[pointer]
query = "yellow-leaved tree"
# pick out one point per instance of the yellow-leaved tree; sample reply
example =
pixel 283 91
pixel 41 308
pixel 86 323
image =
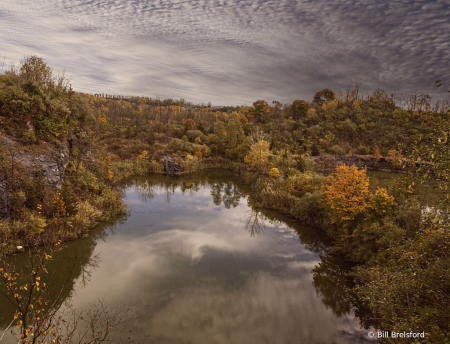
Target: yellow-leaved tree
pixel 345 194
pixel 143 156
pixel 274 173
pixel 258 155
pixel 379 204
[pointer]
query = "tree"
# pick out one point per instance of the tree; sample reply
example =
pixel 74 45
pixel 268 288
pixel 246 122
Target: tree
pixel 70 201
pixel 275 109
pixel 274 173
pixel 37 317
pixel 36 192
pixel 379 204
pixel 260 111
pixel 299 108
pixel 258 155
pixel 433 158
pixel 201 127
pixel 108 168
pixel 324 96
pixel 355 89
pixel 314 150
pixel 235 132
pixel 143 156
pixel 189 125
pixel 257 134
pixel 34 69
pixel 58 205
pixel 81 145
pixel 13 156
pixel 205 151
pixel 345 194
pixel 221 133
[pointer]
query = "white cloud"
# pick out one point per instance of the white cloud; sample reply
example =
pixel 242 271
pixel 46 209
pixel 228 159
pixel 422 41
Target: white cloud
pixel 232 51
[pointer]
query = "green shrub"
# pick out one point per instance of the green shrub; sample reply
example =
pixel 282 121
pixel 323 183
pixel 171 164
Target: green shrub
pixel 337 150
pixel 363 150
pixel 29 137
pixel 314 150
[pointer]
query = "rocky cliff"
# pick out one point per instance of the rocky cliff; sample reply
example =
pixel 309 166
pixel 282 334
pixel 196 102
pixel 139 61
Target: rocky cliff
pixel 170 166
pixel 52 164
pixel 51 161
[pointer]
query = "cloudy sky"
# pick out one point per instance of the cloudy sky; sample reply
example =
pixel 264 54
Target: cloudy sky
pixel 233 52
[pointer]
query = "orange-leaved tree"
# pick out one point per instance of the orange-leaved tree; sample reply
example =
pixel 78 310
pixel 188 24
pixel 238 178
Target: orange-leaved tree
pixel 189 124
pixel 58 204
pixel 345 194
pixel 205 151
pixel 108 168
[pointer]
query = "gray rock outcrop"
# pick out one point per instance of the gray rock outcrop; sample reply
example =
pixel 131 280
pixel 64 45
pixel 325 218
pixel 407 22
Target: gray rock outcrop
pixel 52 167
pixel 170 166
pixel 52 164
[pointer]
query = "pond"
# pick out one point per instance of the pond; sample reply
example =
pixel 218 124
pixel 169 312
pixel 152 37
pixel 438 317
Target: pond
pixel 200 264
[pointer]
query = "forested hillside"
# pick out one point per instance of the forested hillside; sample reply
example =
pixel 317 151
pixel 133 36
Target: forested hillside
pixel 398 242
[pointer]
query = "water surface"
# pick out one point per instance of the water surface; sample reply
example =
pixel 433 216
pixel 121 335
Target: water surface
pixel 201 265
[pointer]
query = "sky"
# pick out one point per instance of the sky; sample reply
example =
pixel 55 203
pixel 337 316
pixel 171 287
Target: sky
pixel 233 52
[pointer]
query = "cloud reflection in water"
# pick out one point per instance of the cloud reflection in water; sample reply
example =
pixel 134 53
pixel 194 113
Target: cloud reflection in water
pixel 197 276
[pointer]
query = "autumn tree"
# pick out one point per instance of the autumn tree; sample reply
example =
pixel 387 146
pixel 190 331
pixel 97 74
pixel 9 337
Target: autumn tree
pixel 275 109
pixel 379 204
pixel 198 151
pixel 34 69
pixel 38 317
pixel 189 124
pixel 205 151
pixel 260 111
pixel 108 168
pixel 345 194
pixel 355 89
pixel 434 160
pixel 258 155
pixel 58 205
pixel 70 201
pixel 201 127
pixel 257 134
pixel 274 173
pixel 382 99
pixel 235 132
pixel 324 96
pixel 299 108
pixel 221 133
pixel 81 145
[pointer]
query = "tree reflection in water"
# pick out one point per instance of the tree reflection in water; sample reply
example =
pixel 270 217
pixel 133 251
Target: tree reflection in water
pixel 75 262
pixel 254 223
pixel 330 276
